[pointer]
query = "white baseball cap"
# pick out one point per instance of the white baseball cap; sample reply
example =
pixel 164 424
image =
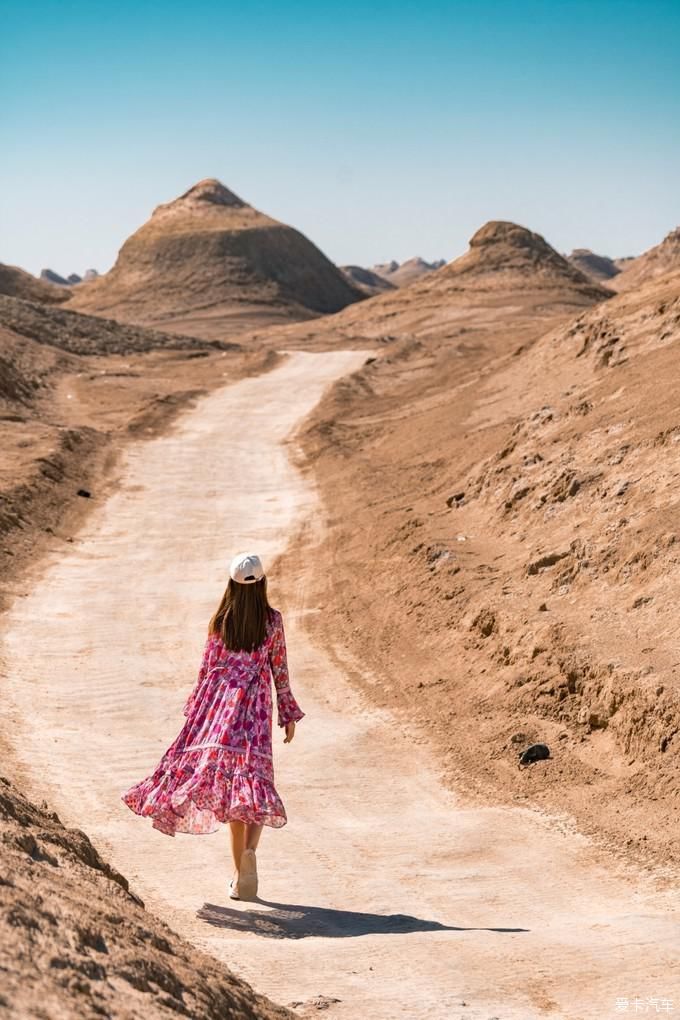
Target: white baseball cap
pixel 246 568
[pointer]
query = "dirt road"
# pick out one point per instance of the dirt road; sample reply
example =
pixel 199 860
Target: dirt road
pixel 385 893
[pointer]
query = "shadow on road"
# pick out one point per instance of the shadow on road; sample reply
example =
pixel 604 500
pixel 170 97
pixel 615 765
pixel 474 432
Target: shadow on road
pixel 297 921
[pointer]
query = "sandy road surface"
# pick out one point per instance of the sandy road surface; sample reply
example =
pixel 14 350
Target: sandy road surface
pixel 384 891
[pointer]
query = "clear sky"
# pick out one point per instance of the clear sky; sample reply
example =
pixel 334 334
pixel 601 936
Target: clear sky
pixel 380 130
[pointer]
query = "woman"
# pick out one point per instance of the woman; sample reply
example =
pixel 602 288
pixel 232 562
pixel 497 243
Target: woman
pixel 220 768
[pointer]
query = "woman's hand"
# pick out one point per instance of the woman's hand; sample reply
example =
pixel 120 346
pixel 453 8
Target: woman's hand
pixel 290 732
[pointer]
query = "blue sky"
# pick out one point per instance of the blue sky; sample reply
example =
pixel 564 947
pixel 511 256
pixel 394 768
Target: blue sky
pixel 380 131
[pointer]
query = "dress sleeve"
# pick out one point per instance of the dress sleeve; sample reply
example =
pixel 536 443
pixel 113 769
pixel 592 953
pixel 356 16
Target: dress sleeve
pixel 288 708
pixel 202 673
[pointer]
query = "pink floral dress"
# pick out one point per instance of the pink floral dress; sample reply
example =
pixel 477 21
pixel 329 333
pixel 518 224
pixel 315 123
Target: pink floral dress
pixel 220 765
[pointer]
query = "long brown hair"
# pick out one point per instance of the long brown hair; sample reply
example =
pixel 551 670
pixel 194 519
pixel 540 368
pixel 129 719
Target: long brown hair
pixel 241 617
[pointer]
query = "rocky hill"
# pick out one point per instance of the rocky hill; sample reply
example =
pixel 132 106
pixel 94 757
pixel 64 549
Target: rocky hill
pixel 18 283
pixel 90 334
pixel 596 267
pixel 505 249
pixel 366 280
pixel 664 258
pixel 208 263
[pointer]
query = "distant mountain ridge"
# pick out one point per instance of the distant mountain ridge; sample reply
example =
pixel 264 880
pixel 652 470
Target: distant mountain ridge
pixel 401 274
pixel 71 280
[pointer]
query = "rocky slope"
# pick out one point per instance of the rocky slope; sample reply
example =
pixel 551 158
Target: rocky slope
pixel 501 509
pixel 664 258
pixel 77 942
pixel 18 283
pixel 209 264
pixel 90 334
pixel 624 262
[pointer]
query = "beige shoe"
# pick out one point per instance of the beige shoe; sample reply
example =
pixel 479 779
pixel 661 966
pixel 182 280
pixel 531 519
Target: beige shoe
pixel 233 890
pixel 247 876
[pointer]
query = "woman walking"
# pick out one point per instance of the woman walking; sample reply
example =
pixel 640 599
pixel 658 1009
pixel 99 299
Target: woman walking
pixel 219 768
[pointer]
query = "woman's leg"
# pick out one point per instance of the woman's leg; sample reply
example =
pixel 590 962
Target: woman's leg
pixel 253 833
pixel 238 841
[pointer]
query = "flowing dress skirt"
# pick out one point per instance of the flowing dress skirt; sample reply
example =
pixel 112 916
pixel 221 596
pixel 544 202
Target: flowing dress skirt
pixel 220 766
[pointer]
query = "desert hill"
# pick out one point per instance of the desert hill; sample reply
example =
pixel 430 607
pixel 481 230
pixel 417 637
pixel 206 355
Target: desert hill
pixel 652 265
pixel 366 280
pixel 501 247
pixel 18 283
pixel 596 267
pixel 208 262
pixel 511 285
pixel 90 334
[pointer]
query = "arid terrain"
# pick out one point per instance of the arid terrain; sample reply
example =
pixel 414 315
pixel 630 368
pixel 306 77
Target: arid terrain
pixel 489 486
pixel 210 264
pixel 16 282
pixel 510 500
pixel 75 941
pixel 652 266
